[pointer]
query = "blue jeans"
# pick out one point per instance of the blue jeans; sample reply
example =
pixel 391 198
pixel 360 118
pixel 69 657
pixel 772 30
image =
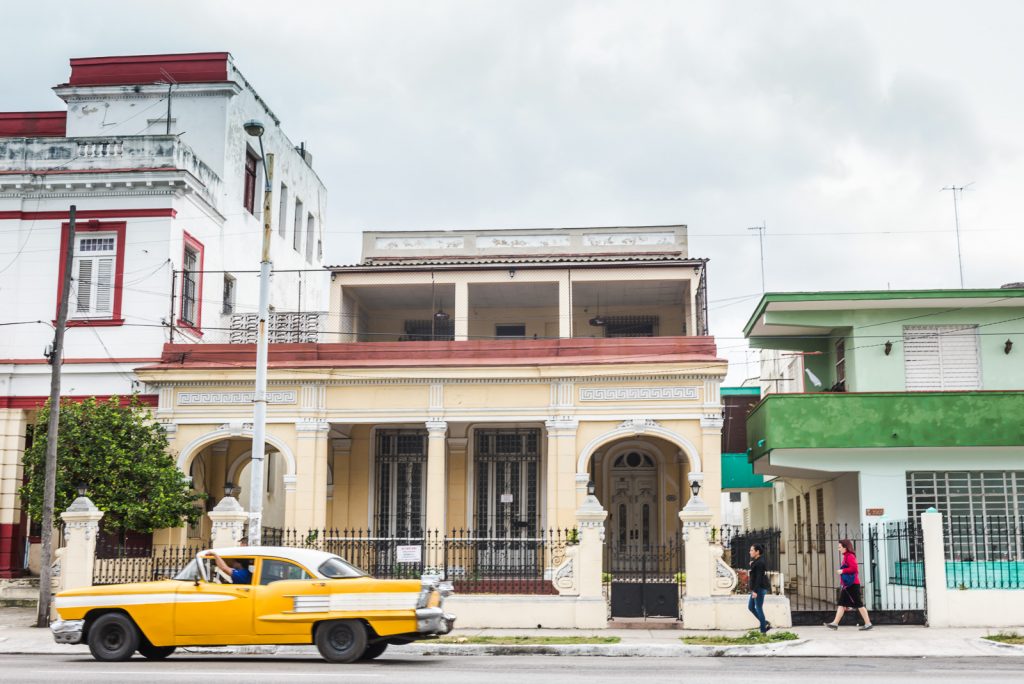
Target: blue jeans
pixel 756 606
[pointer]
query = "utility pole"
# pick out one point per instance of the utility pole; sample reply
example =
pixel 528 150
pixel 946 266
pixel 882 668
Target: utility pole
pixel 956 217
pixel 259 417
pixel 760 237
pixel 50 468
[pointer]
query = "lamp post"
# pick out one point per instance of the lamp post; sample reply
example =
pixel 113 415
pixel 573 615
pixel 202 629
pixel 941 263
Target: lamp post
pixel 259 412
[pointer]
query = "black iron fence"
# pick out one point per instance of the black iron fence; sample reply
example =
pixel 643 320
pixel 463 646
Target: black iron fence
pixel 126 564
pixel 983 552
pixel 888 556
pixel 739 544
pixel 645 580
pixel 475 563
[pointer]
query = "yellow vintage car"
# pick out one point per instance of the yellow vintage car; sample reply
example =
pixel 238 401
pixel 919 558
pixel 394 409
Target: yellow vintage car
pixel 292 596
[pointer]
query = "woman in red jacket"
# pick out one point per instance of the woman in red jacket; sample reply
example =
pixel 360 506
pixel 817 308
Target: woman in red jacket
pixel 849 587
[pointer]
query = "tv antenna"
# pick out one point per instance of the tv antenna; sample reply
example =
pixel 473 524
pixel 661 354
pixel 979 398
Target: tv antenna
pixel 956 218
pixel 760 237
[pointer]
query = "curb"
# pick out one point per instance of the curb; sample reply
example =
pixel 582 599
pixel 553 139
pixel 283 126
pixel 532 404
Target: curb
pixel 608 650
pixel 1003 648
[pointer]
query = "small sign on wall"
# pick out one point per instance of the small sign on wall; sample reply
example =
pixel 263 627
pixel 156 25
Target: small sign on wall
pixel 506 498
pixel 874 511
pixel 409 554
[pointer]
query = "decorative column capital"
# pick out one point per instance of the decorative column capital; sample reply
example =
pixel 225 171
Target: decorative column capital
pixel 289 482
pixel 437 428
pixel 312 428
pixel 562 426
pixel 712 421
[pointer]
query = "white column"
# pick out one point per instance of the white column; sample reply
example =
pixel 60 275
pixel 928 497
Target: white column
pixel 461 310
pixel 228 520
pixel 81 524
pixel 935 568
pixel 564 307
pixel 437 431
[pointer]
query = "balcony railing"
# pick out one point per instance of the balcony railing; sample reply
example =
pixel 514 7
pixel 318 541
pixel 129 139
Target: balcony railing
pixel 885 419
pixel 281 327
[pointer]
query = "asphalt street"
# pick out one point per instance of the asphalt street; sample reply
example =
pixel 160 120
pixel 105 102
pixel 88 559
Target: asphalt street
pixel 397 667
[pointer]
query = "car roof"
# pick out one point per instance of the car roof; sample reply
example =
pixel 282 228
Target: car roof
pixel 310 558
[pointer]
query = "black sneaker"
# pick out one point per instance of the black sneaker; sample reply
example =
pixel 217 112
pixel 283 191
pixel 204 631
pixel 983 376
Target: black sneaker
pixel 831 625
pixel 866 627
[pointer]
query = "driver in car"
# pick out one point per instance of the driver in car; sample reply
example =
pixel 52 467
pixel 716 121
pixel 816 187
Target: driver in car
pixel 238 572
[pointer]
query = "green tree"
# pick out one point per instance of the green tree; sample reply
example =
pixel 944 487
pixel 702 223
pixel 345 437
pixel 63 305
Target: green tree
pixel 121 455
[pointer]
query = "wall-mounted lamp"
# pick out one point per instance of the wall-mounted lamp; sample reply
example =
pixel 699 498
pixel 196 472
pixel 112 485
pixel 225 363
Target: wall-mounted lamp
pixel 1007 346
pixel 591 488
pixel 441 315
pixel 695 488
pixel 511 273
pixel 888 347
pixel 82 488
pixel 228 488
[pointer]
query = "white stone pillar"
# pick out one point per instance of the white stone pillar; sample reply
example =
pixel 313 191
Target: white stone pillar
pixel 437 431
pixel 81 525
pixel 935 568
pixel 564 307
pixel 590 605
pixel 461 311
pixel 228 520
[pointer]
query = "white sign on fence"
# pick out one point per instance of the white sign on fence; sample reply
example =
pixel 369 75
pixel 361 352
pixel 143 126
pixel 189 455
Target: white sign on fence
pixel 506 498
pixel 409 554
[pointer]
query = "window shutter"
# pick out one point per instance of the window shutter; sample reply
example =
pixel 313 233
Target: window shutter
pixel 83 295
pixel 105 285
pixel 941 357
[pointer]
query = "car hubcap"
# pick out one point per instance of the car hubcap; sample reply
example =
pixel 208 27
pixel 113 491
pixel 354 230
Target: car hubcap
pixel 341 637
pixel 112 638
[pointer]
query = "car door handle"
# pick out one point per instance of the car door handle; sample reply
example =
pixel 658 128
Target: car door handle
pixel 246 589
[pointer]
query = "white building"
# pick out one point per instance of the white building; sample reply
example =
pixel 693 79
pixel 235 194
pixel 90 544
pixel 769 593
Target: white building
pixel 168 189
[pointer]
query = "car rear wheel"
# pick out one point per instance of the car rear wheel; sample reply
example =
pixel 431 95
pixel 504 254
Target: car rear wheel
pixel 374 650
pixel 343 641
pixel 113 637
pixel 148 650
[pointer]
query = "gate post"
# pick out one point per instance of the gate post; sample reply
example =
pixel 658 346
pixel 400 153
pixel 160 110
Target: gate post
pixel 934 569
pixel 228 518
pixel 590 604
pixel 81 525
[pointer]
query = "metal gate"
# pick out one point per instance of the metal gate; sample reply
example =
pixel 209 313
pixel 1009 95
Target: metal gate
pixel 644 580
pixel 889 555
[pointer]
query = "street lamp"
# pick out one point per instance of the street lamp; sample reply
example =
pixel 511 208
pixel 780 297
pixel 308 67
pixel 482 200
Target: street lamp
pixel 259 412
pixel 695 488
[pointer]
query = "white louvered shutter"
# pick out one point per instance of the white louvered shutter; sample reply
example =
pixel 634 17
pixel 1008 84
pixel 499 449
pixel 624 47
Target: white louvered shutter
pixel 83 286
pixel 941 357
pixel 92 290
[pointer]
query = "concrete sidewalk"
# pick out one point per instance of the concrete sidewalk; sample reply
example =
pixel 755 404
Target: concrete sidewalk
pixel 18 637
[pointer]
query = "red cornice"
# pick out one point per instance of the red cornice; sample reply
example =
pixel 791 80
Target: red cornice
pixel 133 169
pixel 198 67
pixel 36 402
pixel 574 351
pixel 131 359
pixel 33 124
pixel 88 214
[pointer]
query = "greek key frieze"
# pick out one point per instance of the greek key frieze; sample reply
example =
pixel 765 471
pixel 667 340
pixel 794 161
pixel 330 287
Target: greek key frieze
pixel 637 393
pixel 223 398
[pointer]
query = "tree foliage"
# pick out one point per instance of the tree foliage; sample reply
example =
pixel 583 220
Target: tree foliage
pixel 121 455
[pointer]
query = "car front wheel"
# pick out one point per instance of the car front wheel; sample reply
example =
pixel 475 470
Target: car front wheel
pixel 113 637
pixel 343 641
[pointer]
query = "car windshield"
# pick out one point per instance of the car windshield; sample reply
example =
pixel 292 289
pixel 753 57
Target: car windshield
pixel 189 573
pixel 336 568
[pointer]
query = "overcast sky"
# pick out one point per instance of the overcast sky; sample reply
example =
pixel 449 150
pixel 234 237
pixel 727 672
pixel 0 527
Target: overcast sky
pixel 836 125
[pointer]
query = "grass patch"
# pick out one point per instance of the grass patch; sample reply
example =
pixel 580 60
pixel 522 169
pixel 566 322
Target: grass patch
pixel 1007 638
pixel 750 638
pixel 529 640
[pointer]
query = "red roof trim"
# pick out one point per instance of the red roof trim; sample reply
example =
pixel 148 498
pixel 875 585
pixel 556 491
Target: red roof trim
pixel 446 354
pixel 33 124
pixel 36 402
pixel 198 67
pixel 156 212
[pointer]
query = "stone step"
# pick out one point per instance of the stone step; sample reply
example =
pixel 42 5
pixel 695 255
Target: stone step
pixel 644 623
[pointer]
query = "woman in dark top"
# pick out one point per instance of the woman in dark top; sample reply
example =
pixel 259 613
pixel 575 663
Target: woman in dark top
pixel 849 587
pixel 759 586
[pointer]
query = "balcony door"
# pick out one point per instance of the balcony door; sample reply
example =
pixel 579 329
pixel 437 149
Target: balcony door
pixel 506 469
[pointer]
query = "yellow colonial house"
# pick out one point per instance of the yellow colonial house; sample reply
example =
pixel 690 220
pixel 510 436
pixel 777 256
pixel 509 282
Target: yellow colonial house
pixel 474 380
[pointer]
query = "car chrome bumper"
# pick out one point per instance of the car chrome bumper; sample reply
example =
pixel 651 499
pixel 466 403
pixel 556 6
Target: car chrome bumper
pixel 434 621
pixel 67 631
